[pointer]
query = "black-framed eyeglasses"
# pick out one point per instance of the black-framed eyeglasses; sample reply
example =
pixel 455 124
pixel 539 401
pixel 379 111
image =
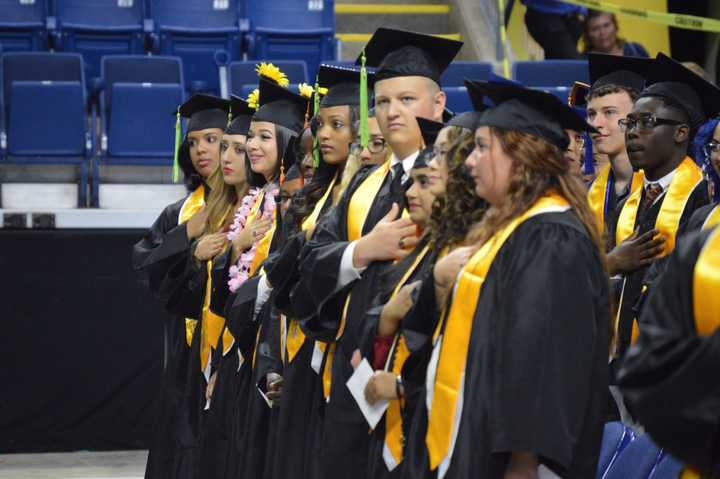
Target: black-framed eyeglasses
pixel 645 122
pixel 712 147
pixel 375 146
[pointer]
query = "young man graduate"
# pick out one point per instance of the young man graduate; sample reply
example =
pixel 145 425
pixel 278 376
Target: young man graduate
pixel 364 234
pixel 658 131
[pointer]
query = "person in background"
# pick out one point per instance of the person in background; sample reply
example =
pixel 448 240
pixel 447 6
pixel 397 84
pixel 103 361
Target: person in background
pixel 575 151
pixel 556 26
pixel 377 150
pixel 305 146
pixel 600 35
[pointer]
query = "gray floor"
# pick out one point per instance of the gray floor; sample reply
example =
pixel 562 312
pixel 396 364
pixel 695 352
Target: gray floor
pixel 74 465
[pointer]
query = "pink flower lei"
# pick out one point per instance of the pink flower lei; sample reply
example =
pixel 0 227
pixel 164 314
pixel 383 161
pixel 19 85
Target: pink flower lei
pixel 240 272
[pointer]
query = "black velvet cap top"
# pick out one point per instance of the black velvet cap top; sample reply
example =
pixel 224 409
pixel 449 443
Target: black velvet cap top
pixel 241 114
pixel 343 85
pixel 682 88
pixel 529 111
pixel 281 106
pixel 429 130
pixel 622 71
pixel 205 111
pixel 400 53
pixel 467 120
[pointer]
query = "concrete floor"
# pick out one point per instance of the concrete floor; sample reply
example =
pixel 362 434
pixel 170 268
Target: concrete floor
pixel 74 465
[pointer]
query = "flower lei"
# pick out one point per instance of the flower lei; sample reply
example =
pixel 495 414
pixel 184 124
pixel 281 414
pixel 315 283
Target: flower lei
pixel 240 272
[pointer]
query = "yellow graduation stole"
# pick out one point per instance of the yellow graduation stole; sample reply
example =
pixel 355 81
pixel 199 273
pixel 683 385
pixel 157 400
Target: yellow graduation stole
pixel 295 337
pixel 598 194
pixel 706 285
pixel 713 218
pixel 398 354
pixel 687 177
pixel 191 205
pixel 459 321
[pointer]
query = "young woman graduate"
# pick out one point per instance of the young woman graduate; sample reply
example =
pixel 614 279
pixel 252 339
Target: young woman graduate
pixel 298 426
pixel 230 191
pixel 510 383
pixel 669 377
pixel 706 148
pixel 363 233
pixel 166 246
pixel 658 132
pixel 256 328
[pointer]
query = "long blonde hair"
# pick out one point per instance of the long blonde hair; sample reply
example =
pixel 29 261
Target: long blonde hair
pixel 221 201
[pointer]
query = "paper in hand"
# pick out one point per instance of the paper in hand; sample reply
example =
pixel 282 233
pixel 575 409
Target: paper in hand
pixel 356 384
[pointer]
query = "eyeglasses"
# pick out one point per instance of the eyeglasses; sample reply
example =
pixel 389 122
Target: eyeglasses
pixel 712 148
pixel 579 141
pixel 374 146
pixel 645 122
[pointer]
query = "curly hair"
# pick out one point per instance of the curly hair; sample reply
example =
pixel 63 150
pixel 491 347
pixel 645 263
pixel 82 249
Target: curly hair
pixel 537 167
pixel 701 157
pixel 454 214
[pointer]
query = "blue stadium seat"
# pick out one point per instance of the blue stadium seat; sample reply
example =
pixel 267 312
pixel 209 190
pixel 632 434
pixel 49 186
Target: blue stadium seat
pixel 99 27
pixel 615 438
pixel 550 72
pixel 23 25
pixel 636 461
pixel 243 73
pixel 292 30
pixel 561 92
pixel 43 118
pixel 205 34
pixel 136 104
pixel 667 468
pixel 460 70
pixel 458 100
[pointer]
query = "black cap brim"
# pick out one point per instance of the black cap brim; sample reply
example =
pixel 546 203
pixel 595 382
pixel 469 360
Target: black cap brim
pixel 205 111
pixel 622 71
pixel 281 106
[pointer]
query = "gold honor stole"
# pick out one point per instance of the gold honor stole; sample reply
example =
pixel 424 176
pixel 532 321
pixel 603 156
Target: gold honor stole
pixel 295 336
pixel 599 192
pixel 191 205
pixel 398 354
pixel 706 302
pixel 713 218
pixel 686 178
pixel 453 358
pixel 358 209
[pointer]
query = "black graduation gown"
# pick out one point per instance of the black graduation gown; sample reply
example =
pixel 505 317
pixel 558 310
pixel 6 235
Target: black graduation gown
pixel 388 281
pixel 669 377
pixel 162 257
pixel 319 307
pixel 630 305
pixel 536 369
pixel 698 218
pixel 612 210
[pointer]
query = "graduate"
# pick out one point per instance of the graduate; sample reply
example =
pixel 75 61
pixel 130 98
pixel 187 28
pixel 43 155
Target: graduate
pixel 376 152
pixel 706 147
pixel 230 190
pixel 299 424
pixel 616 83
pixel 364 232
pixel 272 133
pixel 166 246
pixel 667 376
pixel 658 132
pixel 511 387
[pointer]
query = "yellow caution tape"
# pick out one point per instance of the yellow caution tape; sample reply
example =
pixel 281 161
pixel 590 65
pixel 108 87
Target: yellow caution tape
pixel 677 20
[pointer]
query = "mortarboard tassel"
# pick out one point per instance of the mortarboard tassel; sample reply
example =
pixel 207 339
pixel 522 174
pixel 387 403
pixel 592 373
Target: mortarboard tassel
pixel 176 164
pixel 364 135
pixel 316 107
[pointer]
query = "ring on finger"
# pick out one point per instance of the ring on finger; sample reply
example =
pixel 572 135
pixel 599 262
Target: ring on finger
pixel 401 243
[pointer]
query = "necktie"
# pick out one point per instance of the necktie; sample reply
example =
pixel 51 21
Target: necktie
pixel 652 191
pixel 397 189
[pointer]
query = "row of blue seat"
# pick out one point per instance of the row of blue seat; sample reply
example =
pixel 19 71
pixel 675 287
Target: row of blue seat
pixel 623 455
pixel 205 34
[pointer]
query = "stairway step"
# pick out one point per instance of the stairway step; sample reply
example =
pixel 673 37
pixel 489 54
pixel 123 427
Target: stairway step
pixel 436 23
pixel 353 43
pixel 391 9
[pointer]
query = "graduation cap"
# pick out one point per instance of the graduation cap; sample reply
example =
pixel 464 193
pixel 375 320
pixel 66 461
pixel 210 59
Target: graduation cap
pixel 429 130
pixel 682 88
pixel 241 113
pixel 400 53
pixel 622 71
pixel 204 111
pixel 530 111
pixel 467 120
pixel 343 85
pixel 280 106
pixel 293 173
pixel 477 96
pixel 578 94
